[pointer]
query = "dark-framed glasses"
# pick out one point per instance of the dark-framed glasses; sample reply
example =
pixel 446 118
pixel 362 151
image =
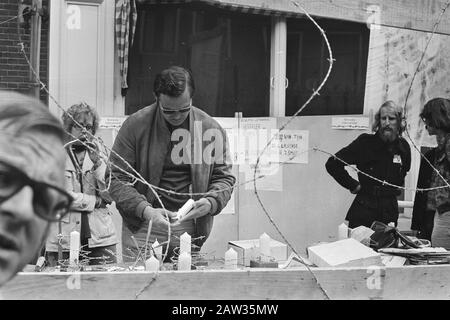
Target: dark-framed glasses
pixel 49 202
pixel 86 127
pixel 172 112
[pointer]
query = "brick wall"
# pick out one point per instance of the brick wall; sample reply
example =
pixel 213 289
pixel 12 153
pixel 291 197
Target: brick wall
pixel 14 70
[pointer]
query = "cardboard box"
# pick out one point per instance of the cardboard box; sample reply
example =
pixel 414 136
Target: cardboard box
pixel 249 249
pixel 344 253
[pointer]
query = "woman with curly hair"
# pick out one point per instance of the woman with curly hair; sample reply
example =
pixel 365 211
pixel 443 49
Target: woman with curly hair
pixel 85 181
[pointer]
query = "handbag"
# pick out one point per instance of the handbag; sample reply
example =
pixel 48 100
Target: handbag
pixel 385 236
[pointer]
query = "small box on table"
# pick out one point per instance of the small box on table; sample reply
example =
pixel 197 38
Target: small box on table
pixel 249 250
pixel 344 253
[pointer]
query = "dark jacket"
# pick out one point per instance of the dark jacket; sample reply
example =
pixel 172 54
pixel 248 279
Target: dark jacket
pixel 422 218
pixel 386 162
pixel 143 141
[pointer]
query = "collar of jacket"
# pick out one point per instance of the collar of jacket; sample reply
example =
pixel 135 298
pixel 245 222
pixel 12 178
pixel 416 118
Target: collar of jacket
pixel 160 138
pixel 443 150
pixel 70 166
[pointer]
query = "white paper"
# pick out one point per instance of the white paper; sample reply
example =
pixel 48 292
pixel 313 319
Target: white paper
pixel 254 136
pixel 231 127
pixel 111 122
pixel 350 123
pixel 293 146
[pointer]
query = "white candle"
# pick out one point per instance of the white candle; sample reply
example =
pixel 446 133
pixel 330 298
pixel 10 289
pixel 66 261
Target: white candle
pixel 185 208
pixel 157 249
pixel 185 243
pixel 231 258
pixel 74 248
pixel 342 231
pixel 264 247
pixel 184 261
pixel 152 264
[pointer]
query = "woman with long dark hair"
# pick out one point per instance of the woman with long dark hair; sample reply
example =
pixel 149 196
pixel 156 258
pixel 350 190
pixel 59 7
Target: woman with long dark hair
pixel 431 213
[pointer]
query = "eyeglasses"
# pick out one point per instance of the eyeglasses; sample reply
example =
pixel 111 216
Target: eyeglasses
pixel 172 112
pixel 427 122
pixel 82 126
pixel 49 202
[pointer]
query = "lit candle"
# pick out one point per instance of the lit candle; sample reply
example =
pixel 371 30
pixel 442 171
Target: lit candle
pixel 231 258
pixel 74 248
pixel 185 208
pixel 264 247
pixel 184 261
pixel 157 249
pixel 185 243
pixel 342 231
pixel 152 264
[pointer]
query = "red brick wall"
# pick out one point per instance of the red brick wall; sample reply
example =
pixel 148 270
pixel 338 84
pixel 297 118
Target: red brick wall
pixel 14 70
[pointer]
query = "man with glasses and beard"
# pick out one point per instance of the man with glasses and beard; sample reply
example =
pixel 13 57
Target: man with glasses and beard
pixel 384 155
pixel 31 180
pixel 176 147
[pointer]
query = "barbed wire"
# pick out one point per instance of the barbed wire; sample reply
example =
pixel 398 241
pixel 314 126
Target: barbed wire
pixel 137 177
pixel 93 137
pixel 104 155
pixel 436 24
pixel 422 156
pixel 315 93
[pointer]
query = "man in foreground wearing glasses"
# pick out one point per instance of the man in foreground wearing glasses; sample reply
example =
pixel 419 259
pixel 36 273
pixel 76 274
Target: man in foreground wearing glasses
pixel 168 145
pixel 31 180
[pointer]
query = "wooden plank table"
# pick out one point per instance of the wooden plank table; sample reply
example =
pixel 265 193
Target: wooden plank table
pixel 409 282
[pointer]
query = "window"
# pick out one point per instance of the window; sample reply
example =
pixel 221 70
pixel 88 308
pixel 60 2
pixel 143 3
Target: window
pixel 159 32
pixel 307 64
pixel 228 53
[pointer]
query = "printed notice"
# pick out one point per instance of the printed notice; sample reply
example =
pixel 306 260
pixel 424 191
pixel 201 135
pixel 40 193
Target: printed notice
pixel 231 127
pixel 111 122
pixel 254 135
pixel 350 123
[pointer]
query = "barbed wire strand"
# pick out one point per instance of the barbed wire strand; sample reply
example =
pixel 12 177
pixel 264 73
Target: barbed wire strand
pixel 16 17
pixel 422 156
pixel 313 95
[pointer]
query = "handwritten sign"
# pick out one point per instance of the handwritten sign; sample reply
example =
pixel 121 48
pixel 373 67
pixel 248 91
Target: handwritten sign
pixel 292 146
pixel 350 123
